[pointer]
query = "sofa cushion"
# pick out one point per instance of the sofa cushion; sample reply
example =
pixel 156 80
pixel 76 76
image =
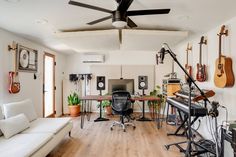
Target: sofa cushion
pixel 14 125
pixel 1 117
pixel 15 108
pixel 47 125
pixel 23 145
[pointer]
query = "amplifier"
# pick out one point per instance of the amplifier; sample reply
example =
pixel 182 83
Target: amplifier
pixel 170 86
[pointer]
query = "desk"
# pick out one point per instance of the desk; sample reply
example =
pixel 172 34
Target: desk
pixel 86 104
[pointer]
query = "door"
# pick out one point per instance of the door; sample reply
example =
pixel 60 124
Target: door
pixel 49 85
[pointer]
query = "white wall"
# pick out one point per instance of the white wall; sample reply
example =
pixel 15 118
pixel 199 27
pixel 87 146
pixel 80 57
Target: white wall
pixel 30 88
pixel 132 59
pixel 225 96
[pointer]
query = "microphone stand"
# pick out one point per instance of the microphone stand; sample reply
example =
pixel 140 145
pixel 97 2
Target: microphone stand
pixel 189 151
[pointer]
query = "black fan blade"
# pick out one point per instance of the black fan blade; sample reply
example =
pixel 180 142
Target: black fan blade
pixel 100 20
pixel 124 5
pixel 131 23
pixel 89 6
pixel 147 12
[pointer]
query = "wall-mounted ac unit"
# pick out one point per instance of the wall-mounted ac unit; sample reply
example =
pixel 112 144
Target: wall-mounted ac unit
pixel 92 58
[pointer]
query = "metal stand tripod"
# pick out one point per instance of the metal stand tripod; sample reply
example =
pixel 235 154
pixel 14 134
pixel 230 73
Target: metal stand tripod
pixel 189 151
pixel 100 118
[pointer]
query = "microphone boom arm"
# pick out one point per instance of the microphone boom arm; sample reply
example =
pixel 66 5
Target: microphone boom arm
pixel 173 55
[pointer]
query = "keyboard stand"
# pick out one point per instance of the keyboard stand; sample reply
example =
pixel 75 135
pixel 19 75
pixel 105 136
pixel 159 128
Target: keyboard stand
pixel 184 121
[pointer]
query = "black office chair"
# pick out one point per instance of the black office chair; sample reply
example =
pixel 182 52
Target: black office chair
pixel 121 105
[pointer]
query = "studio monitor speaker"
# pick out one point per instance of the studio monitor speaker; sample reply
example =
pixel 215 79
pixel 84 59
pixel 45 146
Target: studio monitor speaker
pixel 100 82
pixel 142 82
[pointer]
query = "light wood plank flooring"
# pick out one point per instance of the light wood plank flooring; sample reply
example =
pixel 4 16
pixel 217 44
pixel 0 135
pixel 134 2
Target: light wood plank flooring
pixel 96 140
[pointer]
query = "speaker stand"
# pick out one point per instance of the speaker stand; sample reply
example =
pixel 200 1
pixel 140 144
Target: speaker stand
pixel 100 118
pixel 143 118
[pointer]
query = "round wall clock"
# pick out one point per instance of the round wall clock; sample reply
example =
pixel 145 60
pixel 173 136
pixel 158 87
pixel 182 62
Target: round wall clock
pixel 24 58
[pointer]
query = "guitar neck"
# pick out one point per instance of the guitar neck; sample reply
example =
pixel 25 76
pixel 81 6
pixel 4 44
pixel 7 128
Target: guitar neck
pixel 187 58
pixel 220 48
pixel 200 55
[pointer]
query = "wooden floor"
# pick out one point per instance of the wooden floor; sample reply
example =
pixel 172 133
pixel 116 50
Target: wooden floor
pixel 97 140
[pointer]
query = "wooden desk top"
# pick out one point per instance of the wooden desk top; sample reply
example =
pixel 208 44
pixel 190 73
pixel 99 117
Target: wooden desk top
pixel 109 97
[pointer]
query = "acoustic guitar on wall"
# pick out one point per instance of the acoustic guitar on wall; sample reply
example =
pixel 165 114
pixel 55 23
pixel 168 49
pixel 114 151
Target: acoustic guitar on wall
pixel 223 76
pixel 14 84
pixel 201 75
pixel 188 67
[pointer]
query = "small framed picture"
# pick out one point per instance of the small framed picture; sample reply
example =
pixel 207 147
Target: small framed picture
pixel 27 59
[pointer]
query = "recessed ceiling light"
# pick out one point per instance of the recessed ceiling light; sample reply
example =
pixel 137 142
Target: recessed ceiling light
pixel 41 21
pixel 12 1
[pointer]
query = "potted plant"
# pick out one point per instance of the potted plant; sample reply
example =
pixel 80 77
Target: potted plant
pixel 74 104
pixel 106 104
pixel 156 105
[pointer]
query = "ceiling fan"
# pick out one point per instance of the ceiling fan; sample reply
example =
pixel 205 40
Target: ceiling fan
pixel 120 16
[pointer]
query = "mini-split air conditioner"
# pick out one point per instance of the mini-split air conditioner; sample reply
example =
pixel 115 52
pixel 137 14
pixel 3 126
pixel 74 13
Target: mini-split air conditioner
pixel 93 58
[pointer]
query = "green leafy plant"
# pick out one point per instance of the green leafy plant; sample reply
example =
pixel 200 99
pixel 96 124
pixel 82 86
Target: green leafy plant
pixel 157 104
pixel 73 99
pixel 106 103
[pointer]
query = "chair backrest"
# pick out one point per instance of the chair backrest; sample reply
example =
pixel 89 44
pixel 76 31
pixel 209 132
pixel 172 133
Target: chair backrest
pixel 121 101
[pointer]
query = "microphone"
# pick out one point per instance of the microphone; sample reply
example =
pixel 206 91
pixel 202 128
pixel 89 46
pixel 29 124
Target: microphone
pixel 160 56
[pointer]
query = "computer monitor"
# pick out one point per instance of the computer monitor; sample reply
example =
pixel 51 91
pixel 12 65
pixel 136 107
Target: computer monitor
pixel 121 84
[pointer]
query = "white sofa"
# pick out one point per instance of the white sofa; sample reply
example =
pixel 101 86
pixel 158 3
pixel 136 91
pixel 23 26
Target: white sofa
pixel 40 137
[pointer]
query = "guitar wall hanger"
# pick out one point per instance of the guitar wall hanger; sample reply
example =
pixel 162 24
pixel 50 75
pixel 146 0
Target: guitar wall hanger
pixel 224 31
pixel 204 41
pixel 12 47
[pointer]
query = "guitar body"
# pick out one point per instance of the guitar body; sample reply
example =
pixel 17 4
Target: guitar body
pixel 14 87
pixel 224 76
pixel 188 68
pixel 201 73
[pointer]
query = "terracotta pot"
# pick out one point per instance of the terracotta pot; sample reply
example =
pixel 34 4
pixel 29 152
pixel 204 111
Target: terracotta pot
pixel 108 110
pixel 74 110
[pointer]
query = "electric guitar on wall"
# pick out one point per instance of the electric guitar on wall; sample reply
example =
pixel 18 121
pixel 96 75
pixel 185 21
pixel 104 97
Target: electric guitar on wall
pixel 223 76
pixel 14 84
pixel 201 68
pixel 188 67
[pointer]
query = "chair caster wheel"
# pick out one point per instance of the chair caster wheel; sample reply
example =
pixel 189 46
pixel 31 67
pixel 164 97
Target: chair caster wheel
pixel 124 130
pixel 134 127
pixel 167 147
pixel 111 129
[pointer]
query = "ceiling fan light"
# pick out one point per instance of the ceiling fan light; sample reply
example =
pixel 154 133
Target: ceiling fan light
pixel 119 24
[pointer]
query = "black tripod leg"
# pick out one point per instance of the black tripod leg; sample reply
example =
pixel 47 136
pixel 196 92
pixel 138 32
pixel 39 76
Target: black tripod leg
pixel 175 144
pixel 186 129
pixel 178 129
pixel 188 149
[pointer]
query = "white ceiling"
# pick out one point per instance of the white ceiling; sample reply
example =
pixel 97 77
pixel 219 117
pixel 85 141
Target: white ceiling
pixel 195 16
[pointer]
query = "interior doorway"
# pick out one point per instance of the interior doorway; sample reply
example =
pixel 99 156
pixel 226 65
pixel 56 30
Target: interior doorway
pixel 48 85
